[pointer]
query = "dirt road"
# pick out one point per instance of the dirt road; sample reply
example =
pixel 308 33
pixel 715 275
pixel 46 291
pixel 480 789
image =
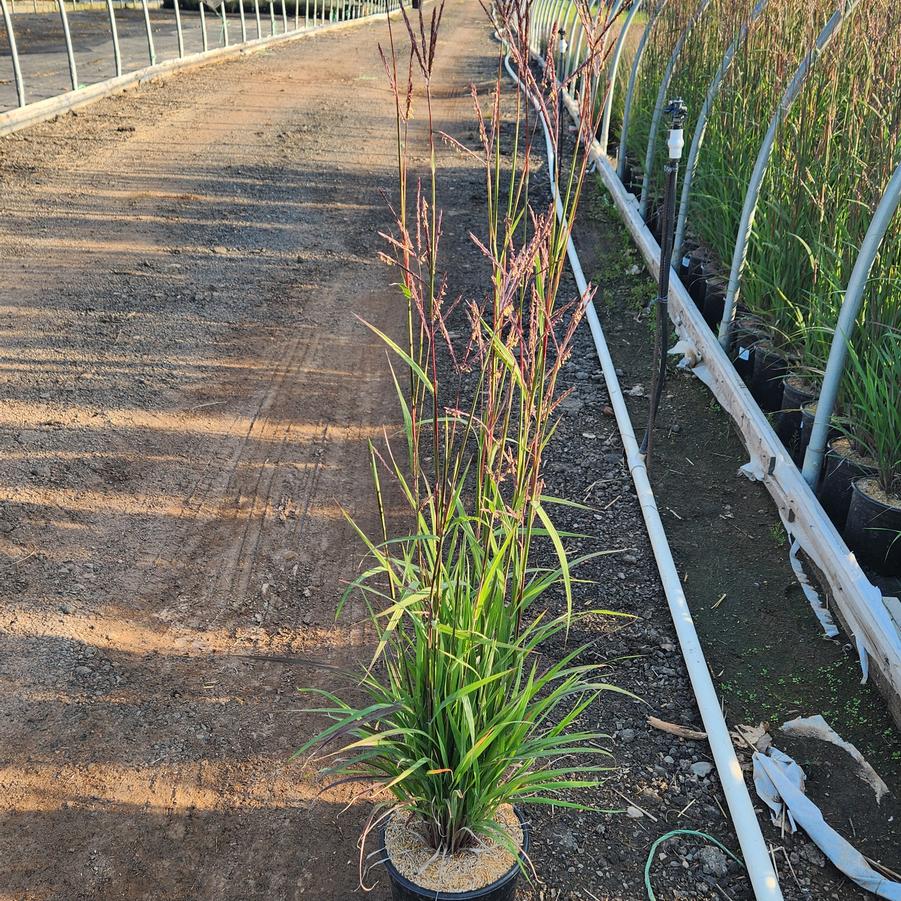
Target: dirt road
pixel 187 396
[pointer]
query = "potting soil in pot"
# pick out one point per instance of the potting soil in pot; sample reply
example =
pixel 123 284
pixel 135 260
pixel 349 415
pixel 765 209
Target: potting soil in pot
pixel 873 527
pixel 466 871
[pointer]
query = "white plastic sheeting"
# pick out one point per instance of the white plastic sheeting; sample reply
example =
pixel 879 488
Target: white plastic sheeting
pixel 780 784
pixel 813 598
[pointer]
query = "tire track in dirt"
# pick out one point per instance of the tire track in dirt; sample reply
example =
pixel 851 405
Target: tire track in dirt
pixel 191 398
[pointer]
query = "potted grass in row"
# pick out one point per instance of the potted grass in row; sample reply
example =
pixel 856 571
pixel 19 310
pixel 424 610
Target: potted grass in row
pixel 873 409
pixel 476 701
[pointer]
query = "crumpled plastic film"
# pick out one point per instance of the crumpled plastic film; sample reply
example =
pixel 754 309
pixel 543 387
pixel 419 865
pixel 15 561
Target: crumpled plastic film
pixel 769 794
pixel 752 471
pixel 780 784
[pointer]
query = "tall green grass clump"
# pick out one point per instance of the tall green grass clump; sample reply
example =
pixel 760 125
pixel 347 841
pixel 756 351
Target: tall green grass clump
pixel 466 706
pixel 873 405
pixel 834 155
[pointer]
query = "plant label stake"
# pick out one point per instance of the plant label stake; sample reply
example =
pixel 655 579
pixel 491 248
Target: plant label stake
pixel 677 110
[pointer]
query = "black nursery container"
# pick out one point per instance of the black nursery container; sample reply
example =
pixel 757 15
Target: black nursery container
pixel 503 889
pixel 693 274
pixel 698 287
pixel 631 179
pixel 840 469
pixel 788 421
pixel 714 302
pixel 654 222
pixel 746 335
pixel 873 530
pixel 683 266
pixel 770 368
pixel 808 415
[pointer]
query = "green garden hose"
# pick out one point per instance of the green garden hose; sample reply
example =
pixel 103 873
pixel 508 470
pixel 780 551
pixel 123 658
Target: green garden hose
pixel 668 835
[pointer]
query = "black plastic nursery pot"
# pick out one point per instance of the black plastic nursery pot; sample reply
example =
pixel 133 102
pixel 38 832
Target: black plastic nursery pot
pixel 503 889
pixel 683 265
pixel 692 272
pixel 631 180
pixel 698 282
pixel 808 414
pixel 873 529
pixel 767 379
pixel 654 222
pixel 714 302
pixel 841 466
pixel 634 182
pixel 795 394
pixel 746 335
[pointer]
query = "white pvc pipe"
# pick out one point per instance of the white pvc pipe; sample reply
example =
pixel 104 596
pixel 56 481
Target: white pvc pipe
pixel 756 856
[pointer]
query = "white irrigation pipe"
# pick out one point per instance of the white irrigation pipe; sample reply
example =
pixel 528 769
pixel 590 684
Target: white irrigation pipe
pixel 756 856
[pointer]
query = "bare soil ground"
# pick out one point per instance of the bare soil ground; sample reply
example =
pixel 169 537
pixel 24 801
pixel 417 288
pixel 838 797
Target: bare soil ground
pixel 188 394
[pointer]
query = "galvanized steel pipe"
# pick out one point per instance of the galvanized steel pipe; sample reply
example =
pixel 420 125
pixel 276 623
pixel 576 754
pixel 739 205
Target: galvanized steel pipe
pixel 151 50
pixel 633 83
pixel 604 139
pixel 203 37
pixel 178 30
pixel 14 53
pixel 844 328
pixel 703 6
pixel 114 31
pixel 70 52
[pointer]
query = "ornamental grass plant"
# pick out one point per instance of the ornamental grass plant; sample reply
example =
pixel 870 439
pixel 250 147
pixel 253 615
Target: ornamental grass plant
pixel 872 408
pixel 832 160
pixel 465 706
